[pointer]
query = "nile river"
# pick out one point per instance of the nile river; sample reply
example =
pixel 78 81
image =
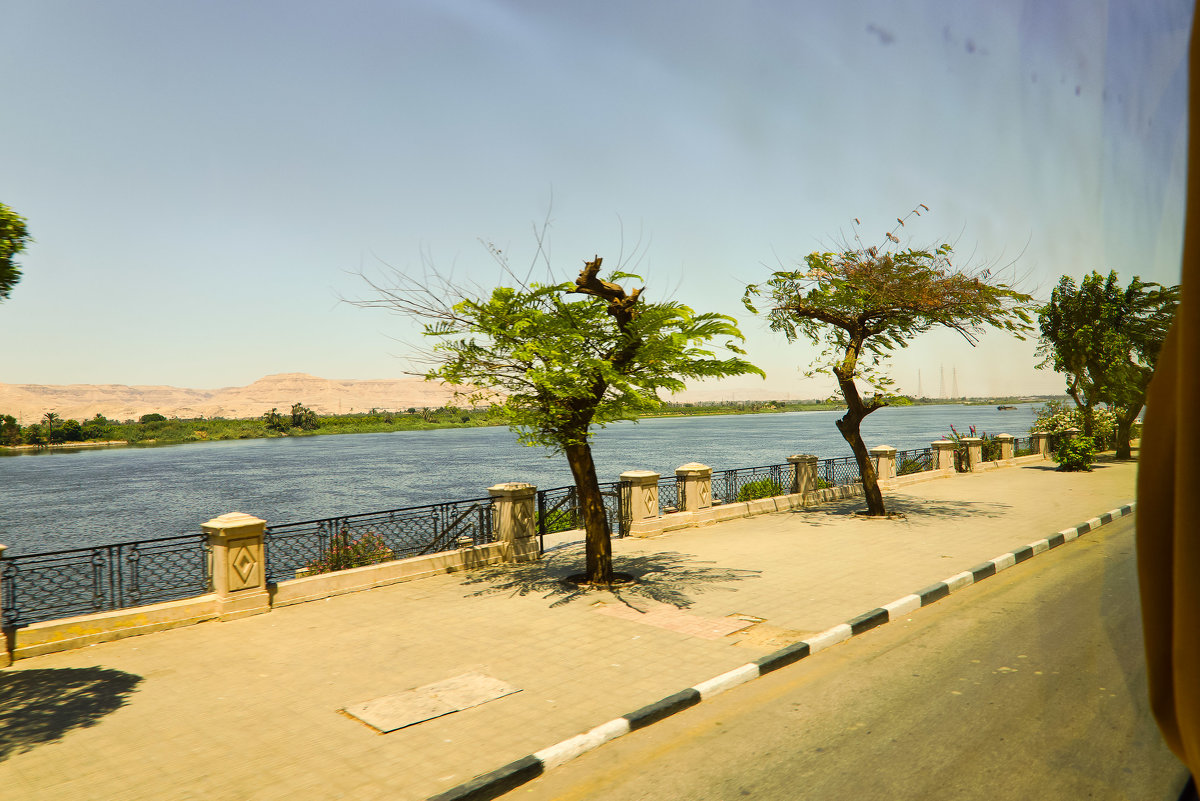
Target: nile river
pixel 66 499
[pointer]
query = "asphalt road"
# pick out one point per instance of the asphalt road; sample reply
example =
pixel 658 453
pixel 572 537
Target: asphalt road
pixel 1030 685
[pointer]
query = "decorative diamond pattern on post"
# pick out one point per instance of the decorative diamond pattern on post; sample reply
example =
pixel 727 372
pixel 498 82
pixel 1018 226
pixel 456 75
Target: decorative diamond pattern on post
pixel 650 499
pixel 243 565
pixel 705 493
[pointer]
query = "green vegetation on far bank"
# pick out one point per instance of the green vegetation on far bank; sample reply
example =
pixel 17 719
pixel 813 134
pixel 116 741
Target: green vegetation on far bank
pixel 157 429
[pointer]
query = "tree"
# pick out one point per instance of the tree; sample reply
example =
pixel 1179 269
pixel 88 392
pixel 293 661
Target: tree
pixel 276 421
pixel 862 303
pixel 559 359
pixel 14 236
pixel 1106 340
pixel 305 418
pixel 51 418
pixel 152 417
pixel 10 431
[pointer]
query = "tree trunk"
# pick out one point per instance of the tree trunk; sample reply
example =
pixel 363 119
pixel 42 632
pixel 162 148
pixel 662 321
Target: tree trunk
pixel 1125 418
pixel 595 521
pixel 849 424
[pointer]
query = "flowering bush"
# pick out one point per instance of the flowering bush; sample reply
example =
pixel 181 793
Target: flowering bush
pixel 1056 417
pixel 990 447
pixel 344 552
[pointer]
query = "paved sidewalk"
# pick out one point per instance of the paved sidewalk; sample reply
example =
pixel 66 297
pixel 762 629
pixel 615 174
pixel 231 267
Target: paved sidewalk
pixel 249 709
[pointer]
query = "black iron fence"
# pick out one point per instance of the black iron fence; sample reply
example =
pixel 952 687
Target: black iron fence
pixel 838 472
pixel 751 483
pixel 1024 446
pixel 338 543
pixel 668 495
pixel 917 460
pixel 558 509
pixel 44 586
pixel 80 581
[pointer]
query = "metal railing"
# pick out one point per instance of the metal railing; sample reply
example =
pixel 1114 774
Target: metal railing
pixel 838 472
pixel 745 483
pixel 668 495
pixel 1024 446
pixel 44 586
pixel 558 509
pixel 917 460
pixel 337 543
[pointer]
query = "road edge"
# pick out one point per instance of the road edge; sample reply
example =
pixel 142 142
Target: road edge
pixel 502 780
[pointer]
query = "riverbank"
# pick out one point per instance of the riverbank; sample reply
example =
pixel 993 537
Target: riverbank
pixel 176 431
pixel 65 446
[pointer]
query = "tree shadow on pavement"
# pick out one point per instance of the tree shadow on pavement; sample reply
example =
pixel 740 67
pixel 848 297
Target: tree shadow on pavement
pixel 40 706
pixel 913 509
pixel 665 577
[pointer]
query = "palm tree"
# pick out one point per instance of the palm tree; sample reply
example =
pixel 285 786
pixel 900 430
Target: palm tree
pixel 51 418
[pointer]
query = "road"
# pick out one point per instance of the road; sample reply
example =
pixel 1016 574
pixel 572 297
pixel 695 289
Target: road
pixel 1030 685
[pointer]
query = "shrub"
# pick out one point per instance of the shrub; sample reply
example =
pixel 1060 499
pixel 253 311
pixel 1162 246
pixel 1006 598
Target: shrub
pixel 277 422
pixel 762 488
pixel 1075 454
pixel 563 519
pixel 346 552
pixel 1056 417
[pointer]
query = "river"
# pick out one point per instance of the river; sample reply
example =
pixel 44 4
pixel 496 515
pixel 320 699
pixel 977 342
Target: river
pixel 74 498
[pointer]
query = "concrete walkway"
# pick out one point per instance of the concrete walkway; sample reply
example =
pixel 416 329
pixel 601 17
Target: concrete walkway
pixel 250 709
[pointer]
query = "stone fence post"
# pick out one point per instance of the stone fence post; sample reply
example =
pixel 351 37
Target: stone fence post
pixel 695 486
pixel 943 455
pixel 1006 446
pixel 513 522
pixel 1041 443
pixel 974 454
pixel 5 648
pixel 804 472
pixel 885 461
pixel 643 493
pixel 236 548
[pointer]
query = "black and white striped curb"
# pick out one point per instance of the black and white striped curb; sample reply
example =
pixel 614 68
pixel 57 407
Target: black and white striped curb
pixel 513 775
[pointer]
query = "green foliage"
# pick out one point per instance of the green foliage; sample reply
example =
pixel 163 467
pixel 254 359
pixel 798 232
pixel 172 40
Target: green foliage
pixel 69 431
pixel 563 519
pixel 34 435
pixel 760 488
pixel 989 448
pixel 1057 417
pixel 305 418
pixel 276 422
pixel 153 417
pixel 1106 340
pixel 557 366
pixel 1075 454
pixel 862 303
pixel 14 236
pixel 10 431
pixel 347 551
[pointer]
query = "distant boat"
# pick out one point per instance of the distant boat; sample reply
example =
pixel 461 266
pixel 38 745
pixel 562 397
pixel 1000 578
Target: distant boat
pixel 1006 408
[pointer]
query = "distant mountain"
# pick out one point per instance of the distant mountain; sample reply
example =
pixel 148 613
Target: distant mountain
pixel 28 402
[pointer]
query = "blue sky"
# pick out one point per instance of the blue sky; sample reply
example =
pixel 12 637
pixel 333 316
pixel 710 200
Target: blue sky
pixel 205 179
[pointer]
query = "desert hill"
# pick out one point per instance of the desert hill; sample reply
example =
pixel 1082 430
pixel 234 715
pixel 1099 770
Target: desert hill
pixel 28 402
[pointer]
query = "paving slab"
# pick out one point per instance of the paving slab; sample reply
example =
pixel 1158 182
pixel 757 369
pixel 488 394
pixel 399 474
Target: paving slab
pixel 249 709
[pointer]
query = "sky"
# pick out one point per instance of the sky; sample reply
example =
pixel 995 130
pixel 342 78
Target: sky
pixel 208 182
